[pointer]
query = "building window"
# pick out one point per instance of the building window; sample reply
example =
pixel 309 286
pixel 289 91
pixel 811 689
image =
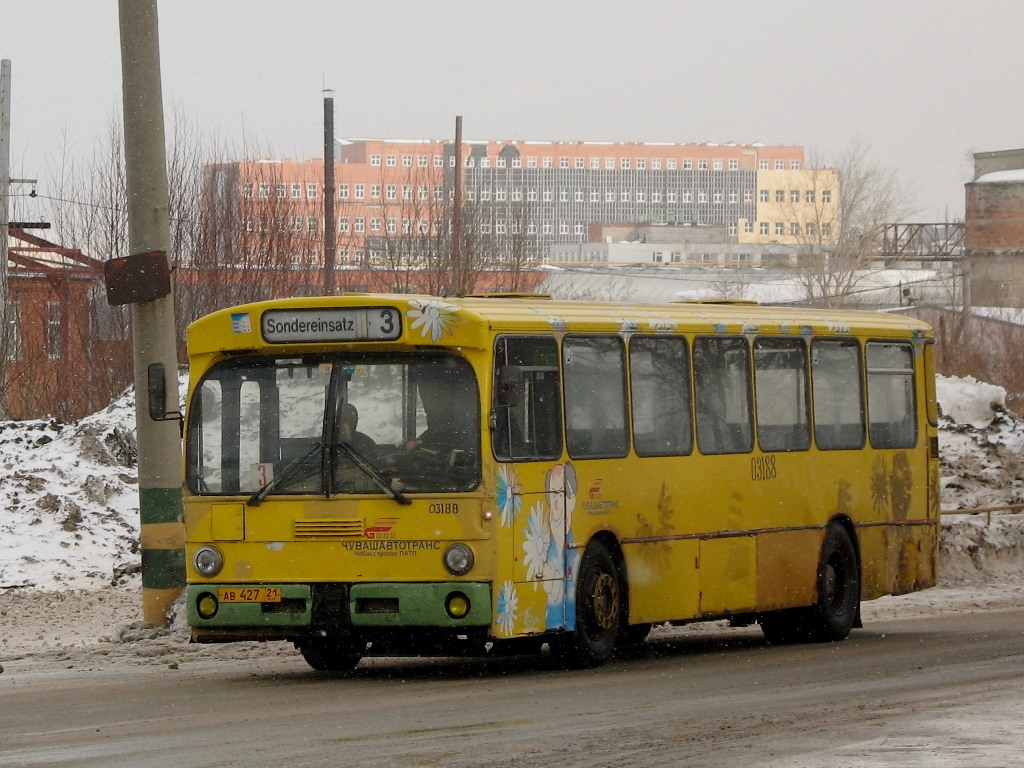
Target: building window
pixel 343 225
pixel 485 195
pixel 734 165
pixel 407 161
pixel 595 163
pixel 748 196
pixel 641 163
pixel 809 195
pixel 609 163
pixel 780 165
pixel 296 223
pixel 499 162
pixel 391 192
pixel 672 163
pixel 609 196
pixel 375 225
pixel 312 224
pixel 247 189
pixel 687 196
pixel 53 330
pixel 734 196
pixel 780 228
pixel 794 165
pixel 264 190
pixel 517 194
pixel 763 228
pixel 485 162
pixel 421 193
pixel 312 191
pixel 547 162
pixel 794 229
pixel 656 163
pixel 500 194
pixel 438 161
pixel 375 191
pixel 360 191
pixel 670 197
pixel 810 229
pixel 655 197
pixel 296 190
pixel 625 164
pixel 748 227
pixel 826 229
pixel 624 197
pixel 595 196
pixel 343 191
pixel 702 197
pixel 360 224
pixel 374 159
pixel 392 226
pixel 531 162
pixel 391 161
pixel 563 162
pixel 517 162
pixel 640 197
pixel 531 195
pixel 421 161
pixel 579 196
pixel 762 165
pixel 407 191
pixel 794 196
pixel 547 196
pixel 579 162
pixel 780 196
pixel 826 195
pixel 563 228
pixel 762 195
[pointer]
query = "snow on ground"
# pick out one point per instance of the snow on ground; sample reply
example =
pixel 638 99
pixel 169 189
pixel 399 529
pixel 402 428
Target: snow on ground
pixel 69 529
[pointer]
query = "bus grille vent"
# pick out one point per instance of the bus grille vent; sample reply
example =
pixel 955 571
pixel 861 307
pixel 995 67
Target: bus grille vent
pixel 329 528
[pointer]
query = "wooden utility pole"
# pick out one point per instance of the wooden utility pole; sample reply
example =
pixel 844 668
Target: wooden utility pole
pixel 154 344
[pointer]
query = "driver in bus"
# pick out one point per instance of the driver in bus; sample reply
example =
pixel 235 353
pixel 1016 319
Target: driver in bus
pixel 447 430
pixel 362 444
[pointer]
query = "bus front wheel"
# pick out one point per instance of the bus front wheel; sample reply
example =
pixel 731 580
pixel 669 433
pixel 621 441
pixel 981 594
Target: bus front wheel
pixel 329 656
pixel 600 602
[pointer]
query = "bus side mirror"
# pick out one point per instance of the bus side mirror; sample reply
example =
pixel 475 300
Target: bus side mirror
pixel 156 390
pixel 510 386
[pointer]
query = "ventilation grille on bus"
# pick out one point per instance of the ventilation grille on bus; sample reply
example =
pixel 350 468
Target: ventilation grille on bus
pixel 349 528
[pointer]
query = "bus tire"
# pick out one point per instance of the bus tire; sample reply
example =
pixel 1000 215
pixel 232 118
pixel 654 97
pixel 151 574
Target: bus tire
pixel 329 656
pixel 600 602
pixel 835 612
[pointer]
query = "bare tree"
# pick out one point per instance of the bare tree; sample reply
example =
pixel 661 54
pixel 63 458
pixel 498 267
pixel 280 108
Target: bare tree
pixel 838 239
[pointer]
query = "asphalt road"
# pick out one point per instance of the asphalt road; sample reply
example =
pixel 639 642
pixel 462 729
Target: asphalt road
pixel 946 691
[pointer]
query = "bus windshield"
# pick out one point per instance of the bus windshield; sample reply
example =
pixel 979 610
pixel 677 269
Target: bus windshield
pixel 335 424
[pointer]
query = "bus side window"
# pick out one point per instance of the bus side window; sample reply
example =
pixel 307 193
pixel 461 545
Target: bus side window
pixel 594 368
pixel 722 374
pixel 659 378
pixel 526 410
pixel 891 413
pixel 780 386
pixel 836 392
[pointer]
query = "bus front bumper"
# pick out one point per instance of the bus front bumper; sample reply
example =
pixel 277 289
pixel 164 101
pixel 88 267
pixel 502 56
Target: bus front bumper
pixel 249 611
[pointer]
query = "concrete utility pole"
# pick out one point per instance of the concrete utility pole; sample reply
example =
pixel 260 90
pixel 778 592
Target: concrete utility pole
pixel 457 285
pixel 330 231
pixel 5 181
pixel 154 343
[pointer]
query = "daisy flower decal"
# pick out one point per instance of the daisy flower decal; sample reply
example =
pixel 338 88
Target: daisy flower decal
pixel 509 501
pixel 508 607
pixel 433 318
pixel 538 540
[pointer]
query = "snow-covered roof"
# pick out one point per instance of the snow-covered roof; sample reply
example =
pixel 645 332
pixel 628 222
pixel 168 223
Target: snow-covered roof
pixel 996 177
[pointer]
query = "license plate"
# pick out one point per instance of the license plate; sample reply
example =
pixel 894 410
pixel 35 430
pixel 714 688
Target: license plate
pixel 249 595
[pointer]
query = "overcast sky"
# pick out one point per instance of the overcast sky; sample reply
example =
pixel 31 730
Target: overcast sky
pixel 922 83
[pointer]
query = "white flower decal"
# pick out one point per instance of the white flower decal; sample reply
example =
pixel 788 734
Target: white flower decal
pixel 435 318
pixel 538 540
pixel 508 607
pixel 508 494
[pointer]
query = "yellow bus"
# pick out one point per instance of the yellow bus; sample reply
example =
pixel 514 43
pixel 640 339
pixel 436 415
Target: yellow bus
pixel 413 475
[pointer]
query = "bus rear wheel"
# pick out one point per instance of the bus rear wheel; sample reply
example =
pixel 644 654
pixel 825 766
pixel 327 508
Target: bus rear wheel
pixel 833 615
pixel 600 603
pixel 329 655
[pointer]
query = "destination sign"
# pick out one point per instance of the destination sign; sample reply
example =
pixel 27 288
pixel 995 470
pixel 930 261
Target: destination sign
pixel 297 326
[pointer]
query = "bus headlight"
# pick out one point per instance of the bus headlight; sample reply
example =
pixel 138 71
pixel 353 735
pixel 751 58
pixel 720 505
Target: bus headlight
pixel 208 561
pixel 458 559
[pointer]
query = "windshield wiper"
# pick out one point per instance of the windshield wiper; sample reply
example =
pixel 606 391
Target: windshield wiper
pixel 286 474
pixel 371 471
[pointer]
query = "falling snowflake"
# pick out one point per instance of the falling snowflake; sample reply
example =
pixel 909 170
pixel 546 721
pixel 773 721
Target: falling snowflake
pixel 434 318
pixel 508 607
pixel 508 495
pixel 538 540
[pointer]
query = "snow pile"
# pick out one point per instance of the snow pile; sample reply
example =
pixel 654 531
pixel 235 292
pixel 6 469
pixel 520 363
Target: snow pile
pixel 69 500
pixel 69 508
